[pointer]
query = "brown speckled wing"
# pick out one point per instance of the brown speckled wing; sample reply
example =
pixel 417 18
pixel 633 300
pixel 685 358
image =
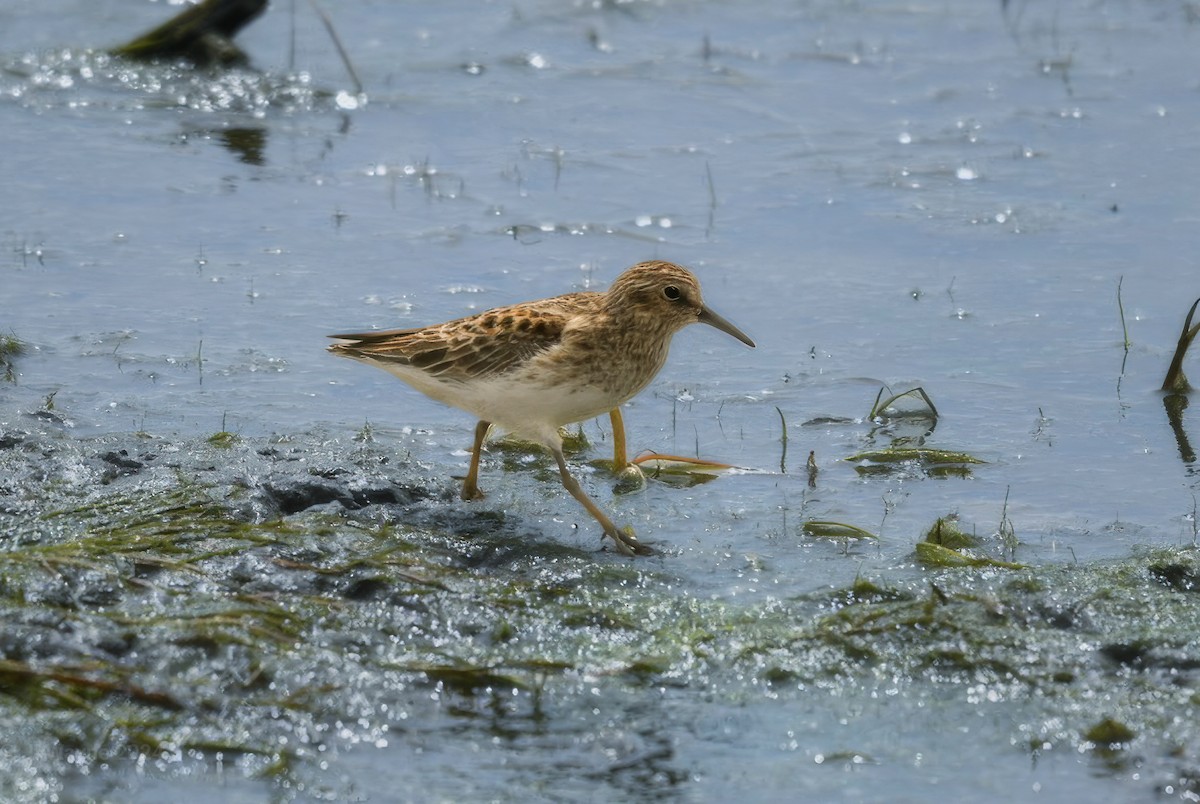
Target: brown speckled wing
pixel 484 345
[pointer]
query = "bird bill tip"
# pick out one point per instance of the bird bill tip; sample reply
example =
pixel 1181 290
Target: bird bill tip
pixel 707 316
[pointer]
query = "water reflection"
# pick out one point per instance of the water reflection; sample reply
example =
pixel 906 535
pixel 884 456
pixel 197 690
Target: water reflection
pixel 246 99
pixel 1176 386
pixel 1175 405
pixel 247 144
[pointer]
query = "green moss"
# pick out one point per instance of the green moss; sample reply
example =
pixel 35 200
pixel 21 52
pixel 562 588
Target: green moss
pixel 223 439
pixel 197 628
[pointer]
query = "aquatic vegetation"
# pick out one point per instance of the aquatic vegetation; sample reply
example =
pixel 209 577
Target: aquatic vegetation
pixel 273 615
pixel 937 555
pixel 222 438
pixel 929 461
pixel 946 533
pixel 888 408
pixel 679 471
pixel 824 529
pixel 908 427
pixel 1110 733
pixel 10 349
pixel 947 545
pixel 1176 381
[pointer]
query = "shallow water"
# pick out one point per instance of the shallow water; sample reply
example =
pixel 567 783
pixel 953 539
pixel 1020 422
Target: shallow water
pixel 948 196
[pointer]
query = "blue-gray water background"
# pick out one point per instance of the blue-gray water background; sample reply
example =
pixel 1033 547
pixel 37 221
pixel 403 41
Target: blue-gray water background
pixel 945 194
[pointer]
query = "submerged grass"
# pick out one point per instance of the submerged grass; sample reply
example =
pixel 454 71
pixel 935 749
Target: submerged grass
pixel 938 463
pixel 826 529
pixel 10 349
pixel 163 621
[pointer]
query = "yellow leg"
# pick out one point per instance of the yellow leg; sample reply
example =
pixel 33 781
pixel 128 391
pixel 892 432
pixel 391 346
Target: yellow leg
pixel 620 456
pixel 626 543
pixel 470 489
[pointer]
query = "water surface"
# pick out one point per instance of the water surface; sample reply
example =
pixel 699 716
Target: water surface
pixel 948 196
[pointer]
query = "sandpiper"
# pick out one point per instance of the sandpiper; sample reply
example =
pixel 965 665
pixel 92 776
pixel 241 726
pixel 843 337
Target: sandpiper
pixel 531 368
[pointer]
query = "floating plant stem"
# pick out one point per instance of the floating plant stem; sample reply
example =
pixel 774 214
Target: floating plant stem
pixel 880 406
pixel 783 438
pixel 1008 533
pixel 827 529
pixel 337 43
pixel 292 37
pixel 712 198
pixel 1121 310
pixel 1195 522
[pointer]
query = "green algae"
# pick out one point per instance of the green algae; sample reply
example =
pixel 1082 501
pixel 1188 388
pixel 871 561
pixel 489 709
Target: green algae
pixel 938 463
pixel 1110 733
pixel 826 529
pixel 936 555
pixel 195 628
pixel 946 532
pixel 947 545
pixel 223 439
pixel 922 455
pixel 10 349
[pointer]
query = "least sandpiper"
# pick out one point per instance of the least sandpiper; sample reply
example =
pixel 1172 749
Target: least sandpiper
pixel 532 368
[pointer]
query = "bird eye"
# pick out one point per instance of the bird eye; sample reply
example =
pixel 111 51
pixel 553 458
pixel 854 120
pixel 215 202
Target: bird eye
pixel 672 293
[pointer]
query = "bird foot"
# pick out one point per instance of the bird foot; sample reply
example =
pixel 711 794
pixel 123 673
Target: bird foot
pixel 472 492
pixel 627 543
